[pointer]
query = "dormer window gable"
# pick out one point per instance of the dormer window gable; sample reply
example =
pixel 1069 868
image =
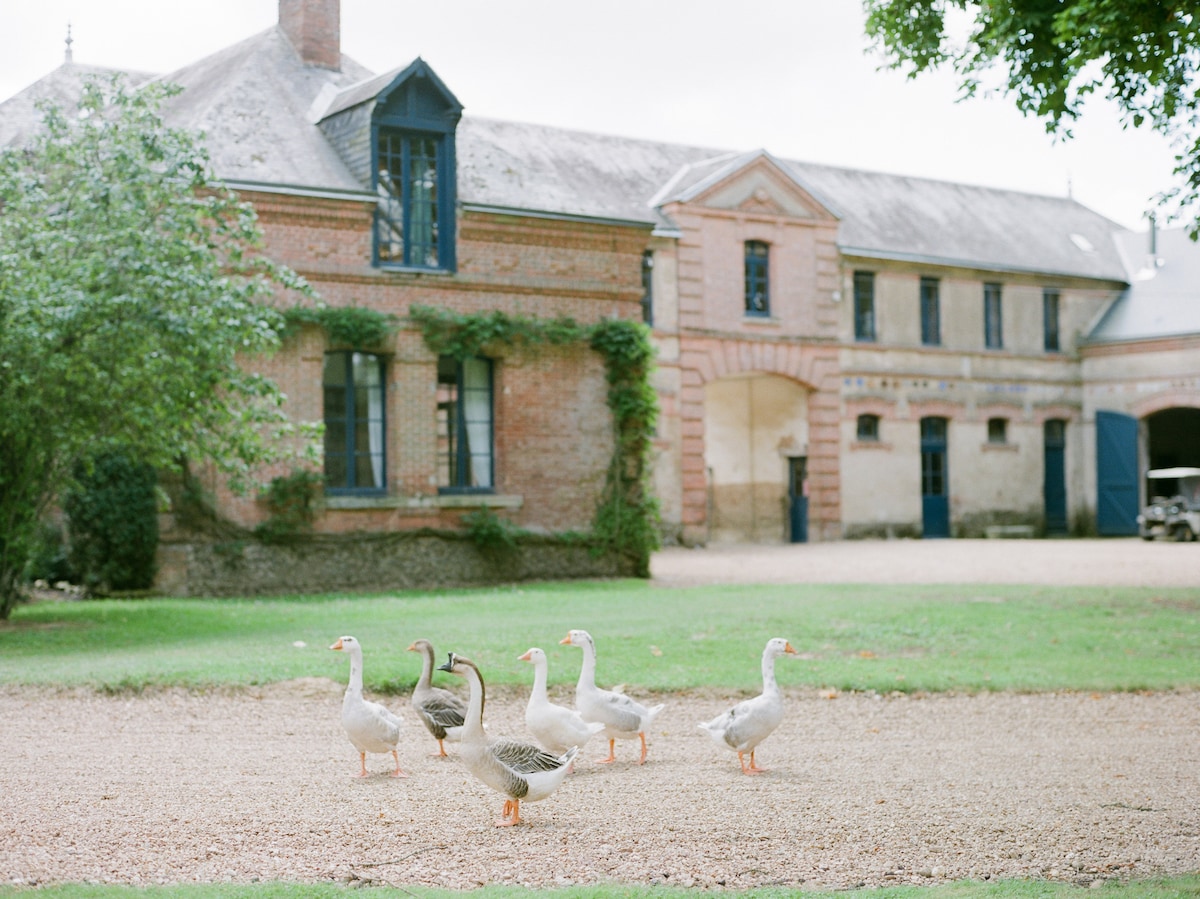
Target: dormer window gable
pixel 413 174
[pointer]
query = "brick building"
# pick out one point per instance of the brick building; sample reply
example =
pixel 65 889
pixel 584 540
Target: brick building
pixel 841 353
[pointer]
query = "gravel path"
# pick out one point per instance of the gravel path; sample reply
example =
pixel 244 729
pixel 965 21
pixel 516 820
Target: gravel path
pixel 177 786
pixel 181 787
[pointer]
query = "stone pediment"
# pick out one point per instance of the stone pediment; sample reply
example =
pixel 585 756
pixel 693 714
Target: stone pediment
pixel 761 188
pixel 750 183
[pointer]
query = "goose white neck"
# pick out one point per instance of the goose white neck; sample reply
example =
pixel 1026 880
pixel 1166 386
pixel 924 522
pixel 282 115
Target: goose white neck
pixel 473 723
pixel 587 671
pixel 356 670
pixel 540 676
pixel 768 671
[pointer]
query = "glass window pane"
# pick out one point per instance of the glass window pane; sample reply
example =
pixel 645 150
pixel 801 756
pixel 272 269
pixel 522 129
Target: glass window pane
pixel 335 437
pixel 335 402
pixel 364 471
pixel 335 470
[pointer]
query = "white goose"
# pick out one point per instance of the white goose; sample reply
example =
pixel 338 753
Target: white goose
pixel 556 727
pixel 370 726
pixel 751 721
pixel 521 771
pixel 623 719
pixel 440 710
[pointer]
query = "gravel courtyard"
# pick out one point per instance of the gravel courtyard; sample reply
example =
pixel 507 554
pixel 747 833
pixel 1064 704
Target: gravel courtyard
pixel 176 787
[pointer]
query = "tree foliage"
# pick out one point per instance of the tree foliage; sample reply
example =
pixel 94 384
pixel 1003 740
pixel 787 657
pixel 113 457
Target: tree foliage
pixel 1052 55
pixel 130 290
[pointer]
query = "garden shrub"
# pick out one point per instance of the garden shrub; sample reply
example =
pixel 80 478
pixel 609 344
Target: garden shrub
pixel 112 515
pixel 292 500
pixel 48 557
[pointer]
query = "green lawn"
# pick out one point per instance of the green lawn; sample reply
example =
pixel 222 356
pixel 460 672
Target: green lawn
pixel 882 638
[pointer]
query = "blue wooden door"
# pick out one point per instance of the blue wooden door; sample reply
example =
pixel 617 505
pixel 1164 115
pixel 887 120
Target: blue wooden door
pixel 1054 484
pixel 935 482
pixel 1116 474
pixel 798 499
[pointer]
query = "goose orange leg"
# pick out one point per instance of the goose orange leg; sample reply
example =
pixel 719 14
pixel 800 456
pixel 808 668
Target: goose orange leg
pixel 612 756
pixel 397 772
pixel 752 768
pixel 441 753
pixel 362 760
pixel 510 814
pixel 642 760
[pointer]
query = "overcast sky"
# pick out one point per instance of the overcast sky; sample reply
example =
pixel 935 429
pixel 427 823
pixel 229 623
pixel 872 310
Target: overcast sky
pixel 792 76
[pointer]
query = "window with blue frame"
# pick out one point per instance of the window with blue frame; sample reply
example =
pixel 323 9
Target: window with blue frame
pixel 758 288
pixel 997 430
pixel 407 216
pixel 648 287
pixel 931 313
pixel 1050 315
pixel 412 169
pixel 355 423
pixel 868 428
pixel 993 318
pixel 465 433
pixel 864 306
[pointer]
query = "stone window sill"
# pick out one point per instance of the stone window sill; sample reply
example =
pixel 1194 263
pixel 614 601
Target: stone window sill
pixel 448 501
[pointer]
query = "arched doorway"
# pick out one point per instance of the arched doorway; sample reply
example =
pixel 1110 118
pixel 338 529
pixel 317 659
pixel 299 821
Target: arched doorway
pixel 1173 438
pixel 755 425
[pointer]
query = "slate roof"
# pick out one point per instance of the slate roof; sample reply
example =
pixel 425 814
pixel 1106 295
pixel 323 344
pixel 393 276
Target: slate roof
pixel 1163 297
pixel 19 115
pixel 259 107
pixel 252 102
pixel 942 222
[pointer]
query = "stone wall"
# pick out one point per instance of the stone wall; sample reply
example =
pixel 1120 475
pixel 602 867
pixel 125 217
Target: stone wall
pixel 370 563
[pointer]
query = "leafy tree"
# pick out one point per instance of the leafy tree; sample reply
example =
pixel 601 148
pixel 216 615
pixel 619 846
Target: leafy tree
pixel 1144 55
pixel 130 289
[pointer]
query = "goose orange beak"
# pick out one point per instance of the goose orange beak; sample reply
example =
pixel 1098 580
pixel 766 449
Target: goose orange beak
pixel 790 649
pixel 525 658
pixel 565 640
pixel 337 645
pixel 412 647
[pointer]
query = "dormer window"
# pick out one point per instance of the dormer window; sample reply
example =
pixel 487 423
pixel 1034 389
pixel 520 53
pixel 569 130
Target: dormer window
pixel 413 171
pixel 407 218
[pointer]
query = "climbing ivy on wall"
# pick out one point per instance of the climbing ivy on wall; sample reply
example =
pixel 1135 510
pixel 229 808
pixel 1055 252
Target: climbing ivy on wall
pixel 626 518
pixel 349 325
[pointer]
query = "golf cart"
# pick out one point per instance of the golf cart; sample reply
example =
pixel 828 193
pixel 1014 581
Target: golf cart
pixel 1174 510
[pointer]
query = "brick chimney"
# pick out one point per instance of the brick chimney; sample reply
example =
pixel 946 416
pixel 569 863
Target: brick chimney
pixel 314 28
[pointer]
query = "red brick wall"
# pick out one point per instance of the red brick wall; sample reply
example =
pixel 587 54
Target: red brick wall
pixel 314 28
pixel 553 437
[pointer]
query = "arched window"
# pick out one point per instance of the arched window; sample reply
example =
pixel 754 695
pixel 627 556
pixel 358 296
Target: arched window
pixel 758 288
